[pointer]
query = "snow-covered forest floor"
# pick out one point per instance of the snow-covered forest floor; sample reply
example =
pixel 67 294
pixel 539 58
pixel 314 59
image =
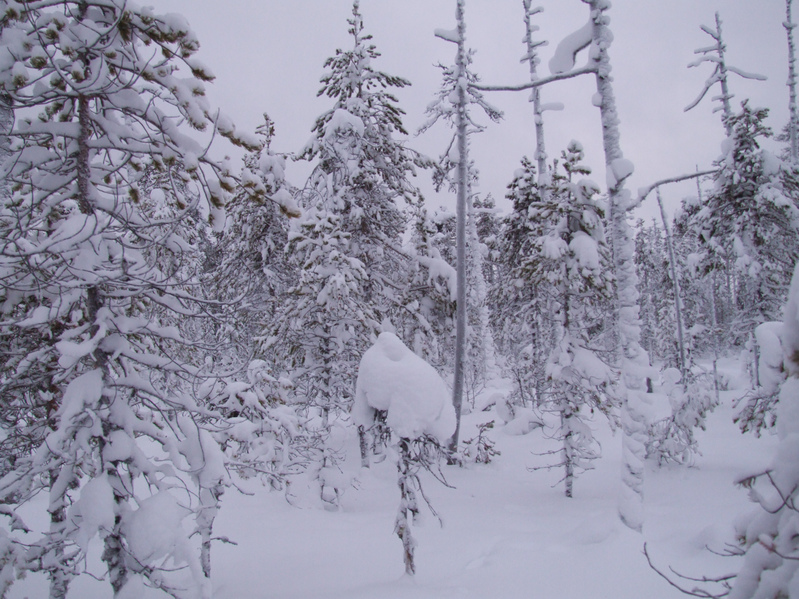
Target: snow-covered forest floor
pixel 507 531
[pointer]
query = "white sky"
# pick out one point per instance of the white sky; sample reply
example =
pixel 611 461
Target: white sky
pixel 268 55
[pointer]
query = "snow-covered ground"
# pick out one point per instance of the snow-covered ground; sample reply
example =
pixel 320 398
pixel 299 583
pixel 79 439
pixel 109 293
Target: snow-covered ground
pixel 507 532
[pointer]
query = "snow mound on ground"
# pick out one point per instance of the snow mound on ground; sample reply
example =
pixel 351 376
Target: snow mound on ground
pixel 393 379
pixel 524 422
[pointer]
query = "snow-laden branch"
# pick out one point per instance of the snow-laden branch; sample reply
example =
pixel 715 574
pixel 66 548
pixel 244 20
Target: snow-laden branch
pixel 643 192
pixel 588 69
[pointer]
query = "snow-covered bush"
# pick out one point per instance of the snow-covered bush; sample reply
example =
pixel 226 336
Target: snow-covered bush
pixel 418 411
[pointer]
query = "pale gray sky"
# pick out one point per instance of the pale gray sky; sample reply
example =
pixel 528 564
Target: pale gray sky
pixel 268 56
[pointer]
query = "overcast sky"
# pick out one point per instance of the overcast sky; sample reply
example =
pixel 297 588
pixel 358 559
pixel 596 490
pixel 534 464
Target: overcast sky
pixel 268 55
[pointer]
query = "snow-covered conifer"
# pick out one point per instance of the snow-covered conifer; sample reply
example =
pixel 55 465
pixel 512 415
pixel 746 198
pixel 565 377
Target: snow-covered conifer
pixel 521 329
pixel 429 300
pixel 92 267
pixel 347 244
pixel 771 561
pixel 363 169
pixel 573 266
pixel 633 360
pixel 750 223
pixel 255 270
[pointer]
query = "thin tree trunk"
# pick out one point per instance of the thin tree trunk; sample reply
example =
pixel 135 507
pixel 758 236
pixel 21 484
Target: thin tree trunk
pixel 793 127
pixel 725 89
pixel 460 230
pixel 6 125
pixel 113 551
pixel 535 97
pixel 566 404
pixel 568 450
pixel 59 577
pixel 363 444
pixel 408 505
pixel 205 523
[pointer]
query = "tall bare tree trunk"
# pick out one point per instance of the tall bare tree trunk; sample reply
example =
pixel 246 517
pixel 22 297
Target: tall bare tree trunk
pixel 535 96
pixel 460 230
pixel 793 127
pixel 634 360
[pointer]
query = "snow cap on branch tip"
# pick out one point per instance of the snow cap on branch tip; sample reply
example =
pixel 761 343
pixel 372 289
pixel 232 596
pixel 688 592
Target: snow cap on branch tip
pixel 618 170
pixel 565 56
pixel 448 35
pixel 393 379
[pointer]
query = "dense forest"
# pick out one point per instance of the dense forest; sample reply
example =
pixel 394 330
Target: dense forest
pixel 176 326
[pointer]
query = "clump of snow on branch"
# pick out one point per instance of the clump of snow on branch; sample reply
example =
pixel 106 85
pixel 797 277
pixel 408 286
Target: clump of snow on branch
pixel 393 379
pixel 566 52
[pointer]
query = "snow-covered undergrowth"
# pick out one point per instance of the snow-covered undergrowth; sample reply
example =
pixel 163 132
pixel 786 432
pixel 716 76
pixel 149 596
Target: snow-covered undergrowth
pixel 508 532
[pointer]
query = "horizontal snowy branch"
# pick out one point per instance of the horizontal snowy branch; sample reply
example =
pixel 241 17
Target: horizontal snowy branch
pixel 537 83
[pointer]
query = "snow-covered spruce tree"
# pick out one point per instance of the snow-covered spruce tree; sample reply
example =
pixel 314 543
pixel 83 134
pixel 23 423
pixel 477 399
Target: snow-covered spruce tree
pixel 322 328
pixel 363 171
pixel 572 266
pixel 452 104
pixel 107 90
pixel 771 552
pixel 419 415
pixel 487 224
pixel 750 221
pixel 522 331
pixel 348 242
